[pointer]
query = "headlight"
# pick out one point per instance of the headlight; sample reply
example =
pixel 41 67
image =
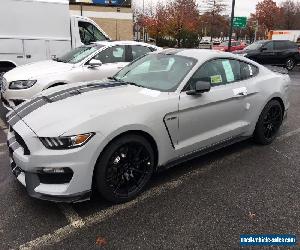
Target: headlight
pixel 22 84
pixel 66 142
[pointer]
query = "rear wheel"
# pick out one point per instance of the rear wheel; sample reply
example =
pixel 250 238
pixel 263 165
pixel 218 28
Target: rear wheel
pixel 124 168
pixel 268 123
pixel 290 63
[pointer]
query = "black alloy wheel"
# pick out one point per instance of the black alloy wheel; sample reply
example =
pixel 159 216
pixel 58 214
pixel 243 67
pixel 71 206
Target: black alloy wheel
pixel 290 64
pixel 269 123
pixel 125 168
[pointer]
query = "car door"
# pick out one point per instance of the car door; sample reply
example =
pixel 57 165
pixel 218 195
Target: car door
pixel 113 60
pixel 267 54
pixel 215 116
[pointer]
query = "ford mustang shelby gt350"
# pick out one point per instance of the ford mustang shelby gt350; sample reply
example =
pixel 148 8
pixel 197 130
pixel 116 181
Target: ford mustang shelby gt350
pixel 160 110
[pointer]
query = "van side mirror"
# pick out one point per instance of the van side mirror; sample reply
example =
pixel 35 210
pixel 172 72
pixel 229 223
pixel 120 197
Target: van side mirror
pixel 94 63
pixel 200 87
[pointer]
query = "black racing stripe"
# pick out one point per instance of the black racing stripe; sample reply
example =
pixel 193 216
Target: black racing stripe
pixel 21 107
pixel 37 103
pixel 14 113
pixel 11 141
pixel 64 91
pixel 14 146
pixel 28 110
pixel 14 120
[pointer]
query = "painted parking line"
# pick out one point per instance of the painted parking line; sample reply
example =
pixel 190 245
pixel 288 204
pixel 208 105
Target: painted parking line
pixel 289 134
pixel 77 223
pixel 98 217
pixel 71 215
pixel 3 126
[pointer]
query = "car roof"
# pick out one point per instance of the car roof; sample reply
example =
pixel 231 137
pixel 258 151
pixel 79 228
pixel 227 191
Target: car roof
pixel 199 54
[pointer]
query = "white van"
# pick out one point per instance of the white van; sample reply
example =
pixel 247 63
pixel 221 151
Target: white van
pixel 34 30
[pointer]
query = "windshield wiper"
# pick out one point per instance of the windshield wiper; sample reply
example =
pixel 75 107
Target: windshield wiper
pixel 133 83
pixel 122 81
pixel 113 78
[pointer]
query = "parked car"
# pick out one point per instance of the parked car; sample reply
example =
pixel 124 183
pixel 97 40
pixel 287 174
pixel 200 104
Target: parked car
pixel 235 45
pixel 276 52
pixel 86 63
pixel 163 109
pixel 38 30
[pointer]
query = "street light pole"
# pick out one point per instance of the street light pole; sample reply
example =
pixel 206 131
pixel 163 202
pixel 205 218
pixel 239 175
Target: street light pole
pixel 231 25
pixel 144 16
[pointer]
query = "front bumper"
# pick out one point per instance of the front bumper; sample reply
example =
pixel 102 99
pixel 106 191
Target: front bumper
pixel 28 156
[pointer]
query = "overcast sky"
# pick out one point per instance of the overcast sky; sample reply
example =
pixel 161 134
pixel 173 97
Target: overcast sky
pixel 243 7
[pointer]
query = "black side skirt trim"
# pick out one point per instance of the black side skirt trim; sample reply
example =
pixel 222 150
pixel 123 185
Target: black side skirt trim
pixel 201 152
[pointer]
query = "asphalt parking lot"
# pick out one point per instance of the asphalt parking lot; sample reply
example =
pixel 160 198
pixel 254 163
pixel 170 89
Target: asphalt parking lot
pixel 201 204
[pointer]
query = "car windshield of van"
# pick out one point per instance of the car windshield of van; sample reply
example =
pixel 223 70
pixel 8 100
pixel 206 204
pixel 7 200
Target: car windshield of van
pixel 255 45
pixel 78 54
pixel 161 72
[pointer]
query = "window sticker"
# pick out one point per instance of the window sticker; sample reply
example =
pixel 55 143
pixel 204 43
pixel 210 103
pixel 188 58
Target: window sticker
pixel 228 71
pixel 250 70
pixel 216 79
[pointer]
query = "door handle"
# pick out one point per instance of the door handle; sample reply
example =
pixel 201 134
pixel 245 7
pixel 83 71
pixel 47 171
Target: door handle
pixel 240 92
pixel 243 93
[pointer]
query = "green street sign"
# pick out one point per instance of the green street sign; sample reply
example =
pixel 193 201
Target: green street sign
pixel 239 22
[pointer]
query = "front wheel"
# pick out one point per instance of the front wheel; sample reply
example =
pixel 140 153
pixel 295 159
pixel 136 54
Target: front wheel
pixel 268 123
pixel 124 168
pixel 290 64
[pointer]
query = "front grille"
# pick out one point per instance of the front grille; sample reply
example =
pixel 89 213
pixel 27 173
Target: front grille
pixel 21 142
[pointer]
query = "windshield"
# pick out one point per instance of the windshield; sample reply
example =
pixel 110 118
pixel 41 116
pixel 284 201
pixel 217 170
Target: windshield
pixel 78 54
pixel 157 71
pixel 255 45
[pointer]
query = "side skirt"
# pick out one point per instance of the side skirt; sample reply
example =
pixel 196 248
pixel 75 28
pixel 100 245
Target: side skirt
pixel 201 152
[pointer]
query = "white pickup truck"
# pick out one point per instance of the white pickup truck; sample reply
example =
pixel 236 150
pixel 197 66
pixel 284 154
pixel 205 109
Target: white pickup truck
pixel 34 30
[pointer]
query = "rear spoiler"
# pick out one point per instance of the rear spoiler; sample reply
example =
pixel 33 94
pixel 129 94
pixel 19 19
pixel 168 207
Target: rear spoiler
pixel 277 69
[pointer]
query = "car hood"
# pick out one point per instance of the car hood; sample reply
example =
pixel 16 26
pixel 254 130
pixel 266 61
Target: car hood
pixel 34 70
pixel 53 113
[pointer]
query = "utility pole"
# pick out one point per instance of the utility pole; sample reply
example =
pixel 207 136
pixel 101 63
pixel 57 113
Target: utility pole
pixel 144 16
pixel 231 25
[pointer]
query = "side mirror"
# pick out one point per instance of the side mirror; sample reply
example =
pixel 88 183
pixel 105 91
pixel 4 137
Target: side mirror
pixel 200 87
pixel 94 63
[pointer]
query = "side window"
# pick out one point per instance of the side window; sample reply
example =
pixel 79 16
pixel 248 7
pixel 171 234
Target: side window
pixel 112 55
pixel 138 51
pixel 89 33
pixel 280 45
pixel 269 46
pixel 217 72
pixel 247 70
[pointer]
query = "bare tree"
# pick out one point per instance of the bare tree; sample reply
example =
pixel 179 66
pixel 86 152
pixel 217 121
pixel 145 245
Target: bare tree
pixel 213 9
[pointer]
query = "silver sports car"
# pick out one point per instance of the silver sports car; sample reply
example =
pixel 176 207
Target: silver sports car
pixel 164 108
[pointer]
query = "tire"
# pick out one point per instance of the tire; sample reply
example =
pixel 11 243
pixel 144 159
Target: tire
pixel 269 123
pixel 124 168
pixel 290 63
